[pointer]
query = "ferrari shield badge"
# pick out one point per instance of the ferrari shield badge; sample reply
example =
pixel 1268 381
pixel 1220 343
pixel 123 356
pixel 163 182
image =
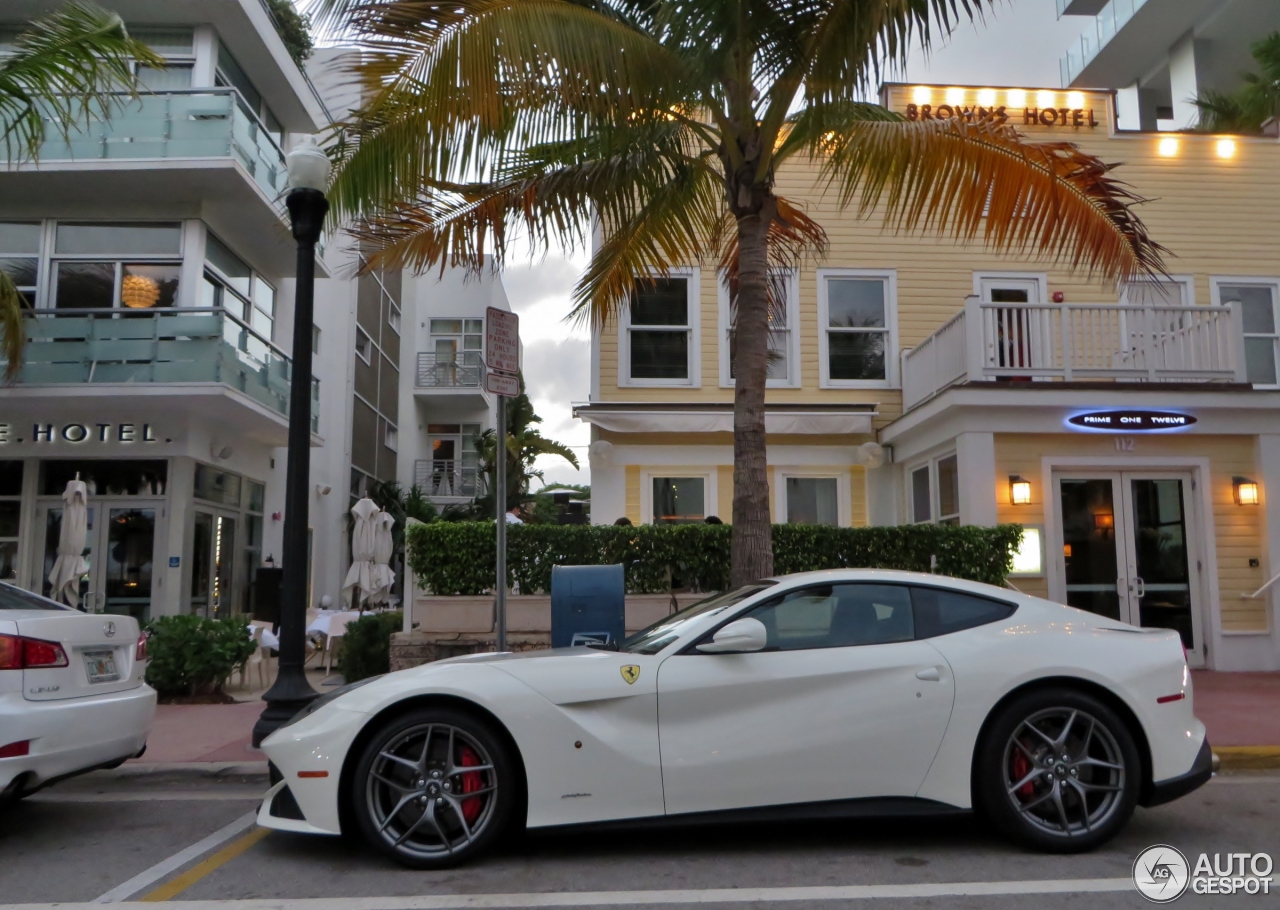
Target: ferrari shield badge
pixel 630 673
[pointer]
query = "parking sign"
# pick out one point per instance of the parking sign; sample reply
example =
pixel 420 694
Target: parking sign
pixel 501 340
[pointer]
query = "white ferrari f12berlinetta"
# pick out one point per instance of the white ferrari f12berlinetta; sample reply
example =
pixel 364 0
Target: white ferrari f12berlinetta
pixel 840 693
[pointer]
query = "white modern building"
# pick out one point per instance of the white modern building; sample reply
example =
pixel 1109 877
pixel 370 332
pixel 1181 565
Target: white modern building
pixel 1159 54
pixel 155 252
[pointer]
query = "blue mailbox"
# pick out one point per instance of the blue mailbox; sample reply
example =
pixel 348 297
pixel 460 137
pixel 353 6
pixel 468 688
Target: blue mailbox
pixel 588 605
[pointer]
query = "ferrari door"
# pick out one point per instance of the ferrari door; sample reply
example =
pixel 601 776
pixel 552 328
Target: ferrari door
pixel 842 703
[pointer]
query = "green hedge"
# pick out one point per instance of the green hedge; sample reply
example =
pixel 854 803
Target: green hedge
pixel 191 655
pixel 458 557
pixel 366 647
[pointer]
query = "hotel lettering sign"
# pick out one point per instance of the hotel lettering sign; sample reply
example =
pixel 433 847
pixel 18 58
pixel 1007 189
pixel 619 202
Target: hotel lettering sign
pixel 75 433
pixel 1131 421
pixel 1028 116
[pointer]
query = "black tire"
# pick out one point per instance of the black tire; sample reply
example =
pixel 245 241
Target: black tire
pixel 1058 800
pixel 422 817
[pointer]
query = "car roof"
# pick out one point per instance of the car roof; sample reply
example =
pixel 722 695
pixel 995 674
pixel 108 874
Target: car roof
pixel 896 576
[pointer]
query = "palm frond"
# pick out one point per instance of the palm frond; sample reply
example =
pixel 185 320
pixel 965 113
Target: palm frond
pixel 1257 100
pixel 67 68
pixel 13 332
pixel 979 180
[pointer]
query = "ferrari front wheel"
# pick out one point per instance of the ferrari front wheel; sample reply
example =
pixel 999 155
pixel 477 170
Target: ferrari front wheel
pixel 1058 770
pixel 433 788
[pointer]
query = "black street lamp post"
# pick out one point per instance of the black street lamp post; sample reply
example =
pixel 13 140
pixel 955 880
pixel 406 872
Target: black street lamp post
pixel 308 178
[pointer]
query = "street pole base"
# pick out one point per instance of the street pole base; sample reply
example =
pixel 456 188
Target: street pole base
pixel 283 702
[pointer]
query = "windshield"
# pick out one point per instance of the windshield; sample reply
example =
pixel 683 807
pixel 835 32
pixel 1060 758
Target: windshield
pixel 12 598
pixel 668 629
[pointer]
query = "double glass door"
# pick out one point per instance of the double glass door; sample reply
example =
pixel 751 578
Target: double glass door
pixel 120 548
pixel 1128 547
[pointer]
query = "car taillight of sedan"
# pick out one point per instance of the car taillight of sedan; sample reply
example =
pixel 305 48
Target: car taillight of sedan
pixel 19 653
pixel 140 652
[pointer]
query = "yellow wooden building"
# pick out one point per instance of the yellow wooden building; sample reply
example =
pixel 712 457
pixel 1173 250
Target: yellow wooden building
pixel 1134 431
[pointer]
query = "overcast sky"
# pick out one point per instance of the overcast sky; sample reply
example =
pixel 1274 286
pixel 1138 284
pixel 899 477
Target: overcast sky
pixel 1019 43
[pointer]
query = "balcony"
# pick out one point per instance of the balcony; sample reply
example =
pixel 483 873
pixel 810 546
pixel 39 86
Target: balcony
pixel 196 150
pixel 456 378
pixel 1110 19
pixel 448 481
pixel 1069 342
pixel 171 352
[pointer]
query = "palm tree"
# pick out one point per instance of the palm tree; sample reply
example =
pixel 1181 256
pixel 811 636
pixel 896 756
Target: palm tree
pixel 661 124
pixel 525 443
pixel 64 69
pixel 1251 105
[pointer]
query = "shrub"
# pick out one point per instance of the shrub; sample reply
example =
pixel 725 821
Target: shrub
pixel 366 646
pixel 453 558
pixel 191 655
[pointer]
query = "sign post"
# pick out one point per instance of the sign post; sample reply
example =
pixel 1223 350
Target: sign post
pixel 502 357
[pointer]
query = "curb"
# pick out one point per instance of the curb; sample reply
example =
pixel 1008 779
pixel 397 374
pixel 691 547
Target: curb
pixel 203 769
pixel 1248 758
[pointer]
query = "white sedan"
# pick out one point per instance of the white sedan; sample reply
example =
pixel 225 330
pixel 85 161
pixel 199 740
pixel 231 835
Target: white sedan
pixel 849 692
pixel 72 696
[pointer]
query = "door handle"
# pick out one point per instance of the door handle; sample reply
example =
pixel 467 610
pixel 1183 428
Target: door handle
pixel 929 673
pixel 1142 587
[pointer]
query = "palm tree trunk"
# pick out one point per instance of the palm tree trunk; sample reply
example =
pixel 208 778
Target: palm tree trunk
pixel 752 549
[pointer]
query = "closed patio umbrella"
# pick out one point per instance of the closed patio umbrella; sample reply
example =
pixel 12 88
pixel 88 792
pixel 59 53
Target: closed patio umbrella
pixel 71 564
pixel 383 549
pixel 360 577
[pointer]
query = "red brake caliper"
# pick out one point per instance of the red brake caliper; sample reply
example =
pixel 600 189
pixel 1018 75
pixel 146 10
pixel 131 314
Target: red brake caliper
pixel 470 784
pixel 1021 767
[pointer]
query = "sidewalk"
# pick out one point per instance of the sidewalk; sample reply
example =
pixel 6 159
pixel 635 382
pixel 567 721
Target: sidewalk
pixel 1240 710
pixel 213 733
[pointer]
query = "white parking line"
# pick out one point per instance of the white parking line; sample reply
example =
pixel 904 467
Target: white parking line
pixel 146 796
pixel 149 877
pixel 636 898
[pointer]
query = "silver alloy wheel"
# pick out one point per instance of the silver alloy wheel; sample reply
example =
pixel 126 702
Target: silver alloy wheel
pixel 1064 772
pixel 423 787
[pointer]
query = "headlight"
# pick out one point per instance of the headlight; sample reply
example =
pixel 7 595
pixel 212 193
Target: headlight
pixel 315 705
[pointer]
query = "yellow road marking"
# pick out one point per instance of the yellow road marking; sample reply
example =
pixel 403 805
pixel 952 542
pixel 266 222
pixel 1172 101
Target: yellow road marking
pixel 176 886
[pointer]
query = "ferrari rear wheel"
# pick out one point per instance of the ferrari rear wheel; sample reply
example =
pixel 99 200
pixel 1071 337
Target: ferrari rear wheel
pixel 434 788
pixel 1058 770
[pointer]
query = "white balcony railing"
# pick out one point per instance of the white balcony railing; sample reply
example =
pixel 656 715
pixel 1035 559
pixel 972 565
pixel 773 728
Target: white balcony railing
pixel 1110 19
pixel 447 477
pixel 460 370
pixel 1076 341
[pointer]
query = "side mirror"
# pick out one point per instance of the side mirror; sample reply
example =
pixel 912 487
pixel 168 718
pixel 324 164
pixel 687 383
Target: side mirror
pixel 740 635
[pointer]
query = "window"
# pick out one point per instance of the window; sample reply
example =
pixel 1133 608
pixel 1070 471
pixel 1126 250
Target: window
pixel 783 342
pixel 812 500
pixel 230 284
pixel 658 337
pixel 315 339
pixel 1176 291
pixel 679 500
pixel 856 312
pixel 934 493
pixel 837 616
pixel 104 266
pixel 1257 301
pixel 20 257
pixel 393 317
pixel 1028 557
pixel 175 45
pixel 939 611
pixel 364 347
pixel 10 517
pixel 392 438
pixel 453 468
pixel 229 73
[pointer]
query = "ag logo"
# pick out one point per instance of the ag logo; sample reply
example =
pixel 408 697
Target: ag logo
pixel 1161 873
pixel 630 673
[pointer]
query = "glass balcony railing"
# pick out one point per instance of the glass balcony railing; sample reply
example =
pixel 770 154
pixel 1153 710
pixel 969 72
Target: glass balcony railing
pixel 187 123
pixel 1113 17
pixel 176 345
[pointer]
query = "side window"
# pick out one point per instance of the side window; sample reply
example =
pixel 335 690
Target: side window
pixel 837 616
pixel 941 612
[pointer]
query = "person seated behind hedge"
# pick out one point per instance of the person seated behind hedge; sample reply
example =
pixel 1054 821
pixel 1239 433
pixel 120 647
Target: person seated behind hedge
pixel 623 522
pixel 712 520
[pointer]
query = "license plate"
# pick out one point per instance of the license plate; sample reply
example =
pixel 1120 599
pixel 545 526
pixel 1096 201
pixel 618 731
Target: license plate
pixel 101 666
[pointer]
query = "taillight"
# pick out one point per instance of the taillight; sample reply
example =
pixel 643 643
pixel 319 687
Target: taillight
pixel 18 653
pixel 16 750
pixel 140 653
